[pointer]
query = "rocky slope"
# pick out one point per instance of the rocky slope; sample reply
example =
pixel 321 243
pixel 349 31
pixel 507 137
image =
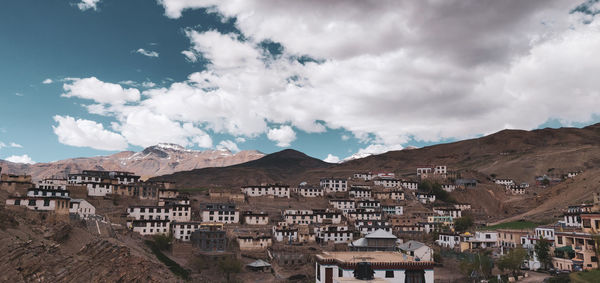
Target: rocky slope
pixel 155 160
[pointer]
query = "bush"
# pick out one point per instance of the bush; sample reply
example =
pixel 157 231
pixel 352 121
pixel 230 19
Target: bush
pixel 163 242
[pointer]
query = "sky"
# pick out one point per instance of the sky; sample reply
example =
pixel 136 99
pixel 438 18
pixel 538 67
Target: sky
pixel 329 78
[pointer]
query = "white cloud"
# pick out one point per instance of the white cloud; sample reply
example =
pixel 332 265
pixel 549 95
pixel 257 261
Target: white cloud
pixel 88 4
pixel 20 159
pixel 345 137
pixel 332 159
pixel 148 84
pixel 99 91
pixel 12 144
pixel 229 145
pixel 147 53
pixel 283 135
pixel 86 133
pixel 191 56
pixel 388 72
pixel 240 140
pixel 47 81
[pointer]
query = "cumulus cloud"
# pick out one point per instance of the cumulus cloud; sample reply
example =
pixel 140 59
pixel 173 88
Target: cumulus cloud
pixel 283 135
pixel 88 4
pixel 147 53
pixel 373 149
pixel 99 91
pixel 86 133
pixel 229 145
pixel 20 159
pixel 386 71
pixel 332 159
pixel 47 81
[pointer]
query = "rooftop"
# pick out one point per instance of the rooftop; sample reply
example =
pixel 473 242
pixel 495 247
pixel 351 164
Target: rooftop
pixel 372 257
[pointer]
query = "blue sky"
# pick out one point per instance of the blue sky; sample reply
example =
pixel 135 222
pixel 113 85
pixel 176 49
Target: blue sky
pixel 199 73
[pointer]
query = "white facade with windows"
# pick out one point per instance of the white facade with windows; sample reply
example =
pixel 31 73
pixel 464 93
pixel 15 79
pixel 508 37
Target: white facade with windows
pixel 183 230
pixel 310 192
pixel 82 208
pixel 276 190
pixel 222 213
pixel 332 185
pixel 149 227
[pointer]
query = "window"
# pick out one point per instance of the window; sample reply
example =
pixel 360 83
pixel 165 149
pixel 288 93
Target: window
pixel 389 274
pixel 17 202
pixel 340 272
pixel 318 272
pixel 31 202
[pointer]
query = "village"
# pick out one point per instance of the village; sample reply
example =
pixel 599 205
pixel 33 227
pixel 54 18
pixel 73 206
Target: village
pixel 368 226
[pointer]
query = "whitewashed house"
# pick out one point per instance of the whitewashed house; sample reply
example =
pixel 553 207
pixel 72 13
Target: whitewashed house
pixel 331 233
pixel 448 211
pixel 82 208
pixel 255 218
pixel 275 190
pixel 332 185
pixel 392 209
pixel 387 182
pixel 254 243
pixel 359 192
pixel 285 233
pixel 388 267
pixel 425 198
pixel 310 192
pixel 448 240
pixel 183 230
pixel 149 226
pixel 52 184
pixel 344 205
pixel 220 212
pixel 411 185
pixel 505 182
pixel 418 250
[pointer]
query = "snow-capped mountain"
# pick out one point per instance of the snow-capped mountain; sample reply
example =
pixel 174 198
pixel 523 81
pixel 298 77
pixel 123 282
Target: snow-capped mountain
pixel 160 159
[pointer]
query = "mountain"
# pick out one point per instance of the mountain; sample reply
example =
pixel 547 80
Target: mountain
pixel 286 166
pixel 155 160
pixel 516 154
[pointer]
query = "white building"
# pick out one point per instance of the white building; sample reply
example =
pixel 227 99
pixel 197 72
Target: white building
pixel 332 185
pixel 411 185
pixel 448 240
pixel 390 267
pixel 219 212
pixel 344 205
pixel 545 232
pixel 392 209
pixel 36 192
pixel 336 234
pixel 59 205
pixel 448 187
pixel 255 218
pixel 183 230
pixel 418 250
pixel 364 215
pixel 275 190
pixel 432 169
pixel 285 233
pixel 425 198
pixel 367 176
pixel 359 192
pixel 254 243
pixel 368 204
pixel 149 226
pixel 388 182
pixel 448 211
pixel 505 182
pixel 82 208
pixel 310 192
pixel 312 217
pixel 52 184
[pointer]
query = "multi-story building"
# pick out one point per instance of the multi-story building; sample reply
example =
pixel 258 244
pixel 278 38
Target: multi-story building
pixel 274 190
pixel 448 211
pixel 309 191
pixel 359 192
pixel 285 233
pixel 368 204
pixel 220 212
pixel 388 182
pixel 183 230
pixel 255 218
pixel 344 205
pixel 209 239
pixel 392 209
pixel 425 198
pixel 333 233
pixel 150 226
pixel 82 208
pixel 332 185
pixel 254 243
pixel 52 184
pixel 424 171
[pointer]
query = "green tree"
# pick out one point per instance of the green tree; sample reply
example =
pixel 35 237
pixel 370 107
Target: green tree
pixel 542 251
pixel 545 182
pixel 463 224
pixel 477 266
pixel 229 265
pixel 512 261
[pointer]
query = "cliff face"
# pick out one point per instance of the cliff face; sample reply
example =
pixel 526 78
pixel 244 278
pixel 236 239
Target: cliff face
pixel 156 160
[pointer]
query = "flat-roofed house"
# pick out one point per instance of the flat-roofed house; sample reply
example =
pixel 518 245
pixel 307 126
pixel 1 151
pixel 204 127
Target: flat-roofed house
pixel 391 267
